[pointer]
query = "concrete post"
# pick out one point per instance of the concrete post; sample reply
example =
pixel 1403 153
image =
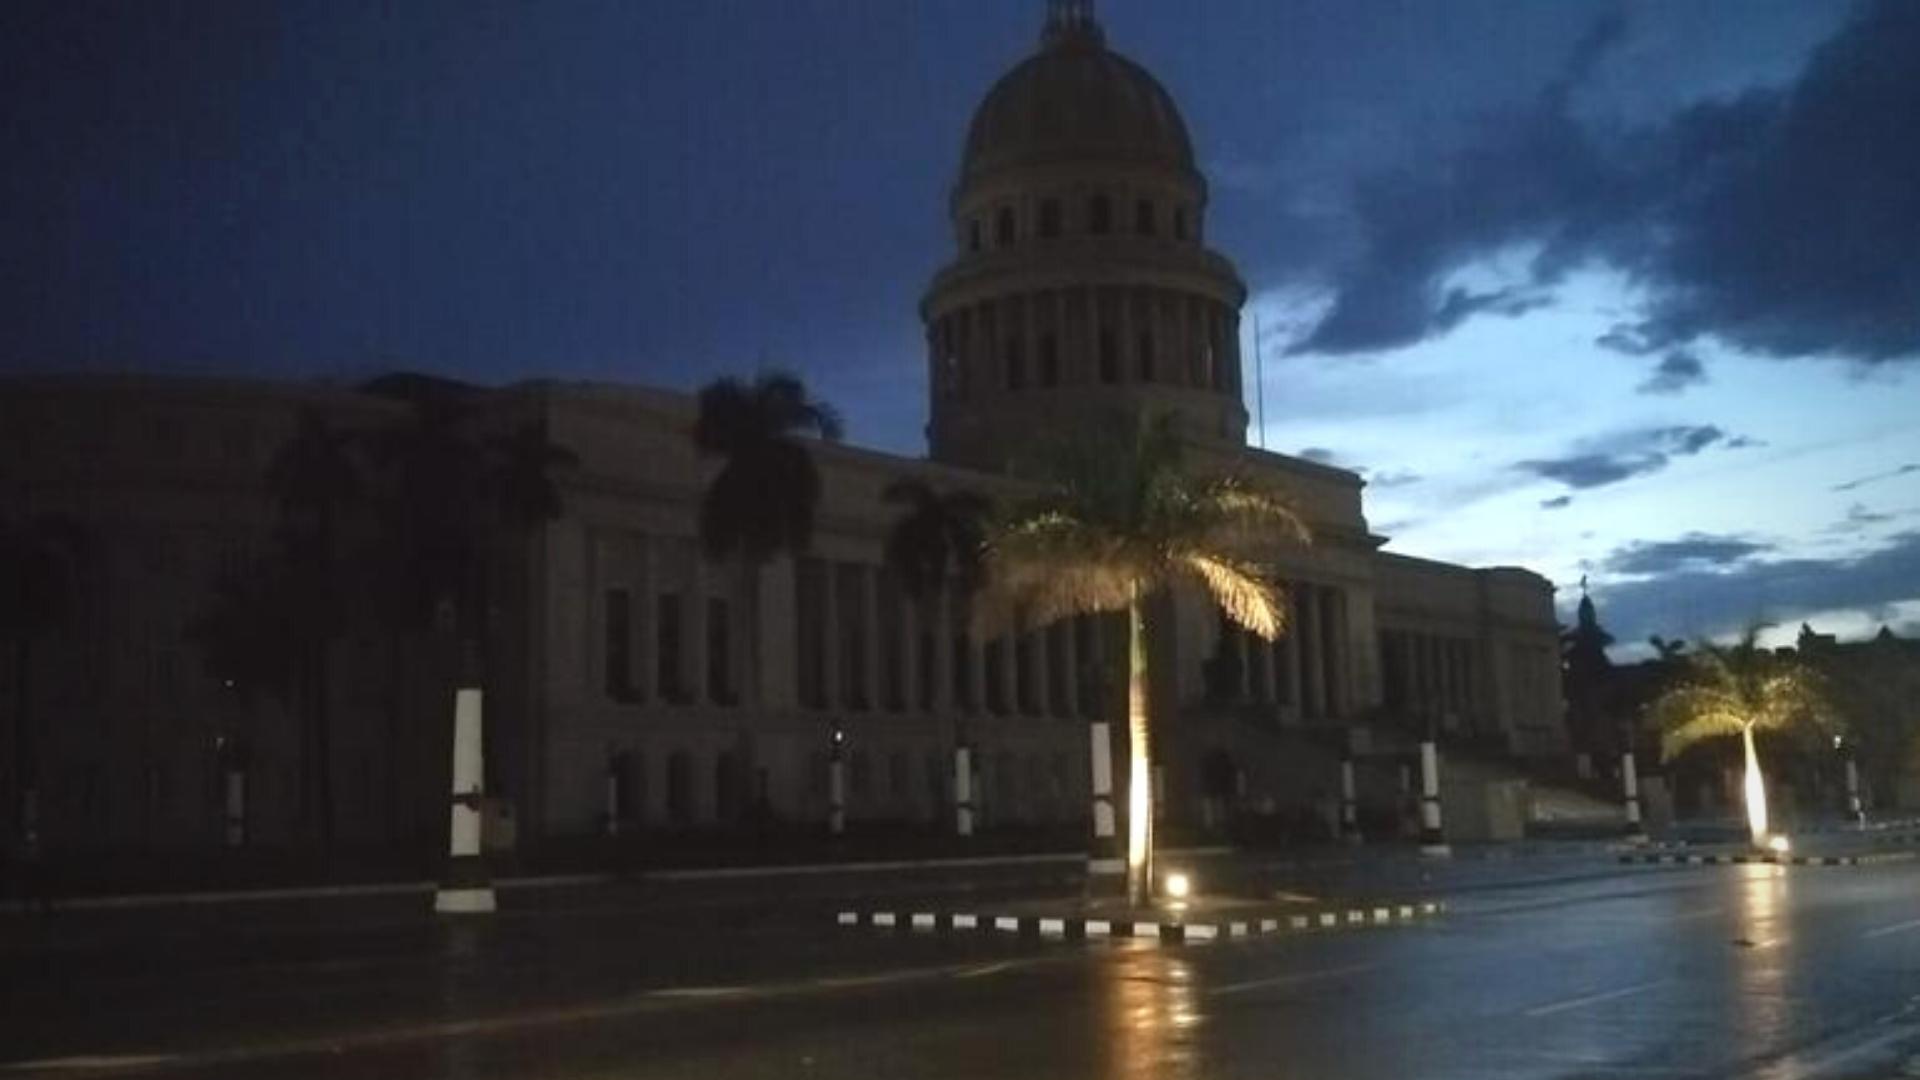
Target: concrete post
pixel 236 805
pixel 1349 803
pixel 1433 839
pixel 466 889
pixel 963 790
pixel 1105 856
pixel 1630 783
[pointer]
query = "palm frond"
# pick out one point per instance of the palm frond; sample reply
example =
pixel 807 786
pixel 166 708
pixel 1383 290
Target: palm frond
pixel 1695 729
pixel 1241 589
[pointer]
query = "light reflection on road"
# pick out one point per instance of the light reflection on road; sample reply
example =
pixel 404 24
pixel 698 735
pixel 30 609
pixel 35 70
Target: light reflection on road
pixel 1153 1015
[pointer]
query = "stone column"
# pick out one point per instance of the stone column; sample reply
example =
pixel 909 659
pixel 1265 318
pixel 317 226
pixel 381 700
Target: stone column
pixel 1070 664
pixel 869 578
pixel 647 603
pixel 696 623
pixel 1343 646
pixel 1296 687
pixel 1313 699
pixel 830 680
pixel 977 670
pixel 940 662
pixel 1124 323
pixel 775 635
pixel 1039 655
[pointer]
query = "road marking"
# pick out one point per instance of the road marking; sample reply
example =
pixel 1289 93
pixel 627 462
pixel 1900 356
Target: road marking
pixel 1592 999
pixel 1292 979
pixel 1896 928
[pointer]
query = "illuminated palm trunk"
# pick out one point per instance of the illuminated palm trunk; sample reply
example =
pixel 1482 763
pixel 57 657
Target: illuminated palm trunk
pixel 1756 791
pixel 1139 759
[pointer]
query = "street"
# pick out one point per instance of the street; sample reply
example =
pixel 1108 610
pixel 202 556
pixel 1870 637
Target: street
pixel 1548 967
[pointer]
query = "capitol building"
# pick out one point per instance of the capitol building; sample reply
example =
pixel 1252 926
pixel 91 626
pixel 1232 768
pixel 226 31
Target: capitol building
pixel 1083 280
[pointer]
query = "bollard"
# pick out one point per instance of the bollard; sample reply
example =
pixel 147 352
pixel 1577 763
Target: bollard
pixel 466 889
pixel 963 790
pixel 1433 838
pixel 1349 803
pixel 1630 785
pixel 1104 857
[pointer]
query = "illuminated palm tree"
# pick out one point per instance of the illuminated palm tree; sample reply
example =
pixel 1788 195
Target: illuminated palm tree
pixel 1116 522
pixel 1740 689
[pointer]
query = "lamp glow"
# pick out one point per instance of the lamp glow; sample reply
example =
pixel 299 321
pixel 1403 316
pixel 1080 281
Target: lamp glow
pixel 1178 886
pixel 1778 844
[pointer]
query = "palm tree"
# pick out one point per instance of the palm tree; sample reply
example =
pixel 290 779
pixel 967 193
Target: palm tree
pixel 1117 521
pixel 763 499
pixel 1740 690
pixel 39 558
pixel 936 539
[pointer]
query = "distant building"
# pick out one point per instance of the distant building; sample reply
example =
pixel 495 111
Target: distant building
pixel 1081 280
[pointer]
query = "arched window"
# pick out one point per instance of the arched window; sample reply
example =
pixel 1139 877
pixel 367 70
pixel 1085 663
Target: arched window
pixel 1100 215
pixel 1003 227
pixel 1049 218
pixel 1143 222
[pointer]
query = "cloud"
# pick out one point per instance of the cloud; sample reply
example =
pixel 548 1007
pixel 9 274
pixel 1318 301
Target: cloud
pixel 1910 467
pixel 1558 502
pixel 1318 454
pixel 1694 550
pixel 1676 371
pixel 1782 222
pixel 1705 597
pixel 1858 517
pixel 1598 463
pixel 1396 478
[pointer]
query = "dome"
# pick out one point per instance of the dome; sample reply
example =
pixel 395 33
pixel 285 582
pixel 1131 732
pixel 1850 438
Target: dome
pixel 1076 100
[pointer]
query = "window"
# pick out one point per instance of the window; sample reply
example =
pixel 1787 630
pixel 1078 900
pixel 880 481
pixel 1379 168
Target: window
pixel 1049 360
pixel 1180 223
pixel 1109 358
pixel 1003 227
pixel 673 683
pixel 1049 218
pixel 618 670
pixel 973 235
pixel 1143 217
pixel 1100 215
pixel 1016 364
pixel 1146 357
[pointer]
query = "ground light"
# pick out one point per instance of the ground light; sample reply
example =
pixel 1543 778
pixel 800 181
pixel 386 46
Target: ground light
pixel 1778 844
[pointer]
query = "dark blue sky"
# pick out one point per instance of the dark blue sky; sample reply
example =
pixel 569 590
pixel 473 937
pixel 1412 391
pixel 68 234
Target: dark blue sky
pixel 1582 285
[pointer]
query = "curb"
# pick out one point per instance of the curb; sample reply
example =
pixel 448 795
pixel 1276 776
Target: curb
pixel 115 902
pixel 1773 860
pixel 1083 928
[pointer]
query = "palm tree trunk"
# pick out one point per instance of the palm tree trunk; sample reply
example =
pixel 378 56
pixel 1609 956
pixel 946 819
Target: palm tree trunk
pixel 1139 759
pixel 1756 791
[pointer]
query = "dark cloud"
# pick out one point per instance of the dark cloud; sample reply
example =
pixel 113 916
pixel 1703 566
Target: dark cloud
pixel 1318 454
pixel 1783 222
pixel 1858 517
pixel 1395 478
pixel 1694 550
pixel 1676 371
pixel 1714 598
pixel 1622 457
pixel 1558 502
pixel 1910 467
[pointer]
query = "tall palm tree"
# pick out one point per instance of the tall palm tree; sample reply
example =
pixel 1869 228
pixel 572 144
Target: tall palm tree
pixel 1118 520
pixel 39 559
pixel 1741 689
pixel 315 484
pixel 937 539
pixel 763 499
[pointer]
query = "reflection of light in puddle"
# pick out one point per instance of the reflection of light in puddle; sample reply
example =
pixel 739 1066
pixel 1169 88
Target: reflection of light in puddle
pixel 1760 968
pixel 1155 1009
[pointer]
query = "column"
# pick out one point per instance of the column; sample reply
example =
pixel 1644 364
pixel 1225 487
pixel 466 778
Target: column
pixel 1312 652
pixel 1296 687
pixel 1008 645
pixel 869 579
pixel 829 636
pixel 1335 650
pixel 1129 369
pixel 977 670
pixel 1343 649
pixel 940 663
pixel 696 622
pixel 1070 664
pixel 1233 648
pixel 647 604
